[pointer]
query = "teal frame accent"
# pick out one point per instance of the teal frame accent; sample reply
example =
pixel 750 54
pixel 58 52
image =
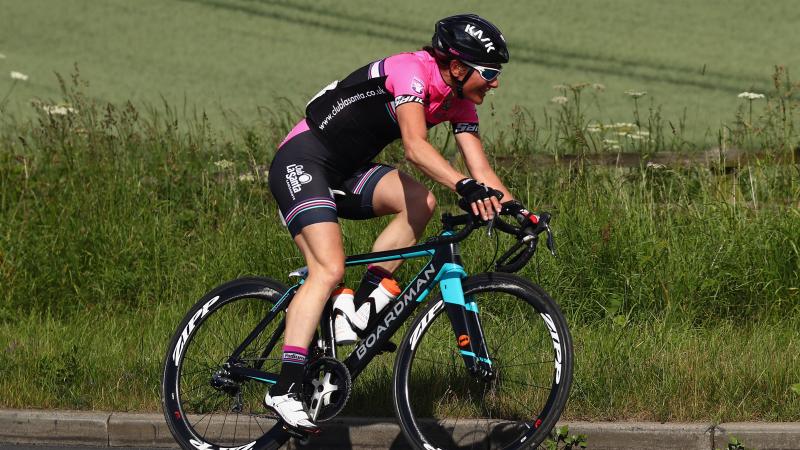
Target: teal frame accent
pixel 468 353
pixel 471 304
pixel 265 380
pixel 288 294
pixel 449 278
pixel 354 261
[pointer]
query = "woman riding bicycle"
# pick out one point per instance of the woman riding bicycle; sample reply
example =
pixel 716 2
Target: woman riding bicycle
pixel 323 170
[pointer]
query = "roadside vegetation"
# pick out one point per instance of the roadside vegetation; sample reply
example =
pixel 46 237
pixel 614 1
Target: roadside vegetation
pixel 681 286
pixel 691 57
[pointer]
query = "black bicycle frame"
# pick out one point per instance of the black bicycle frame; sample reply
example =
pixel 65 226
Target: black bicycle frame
pixel 444 268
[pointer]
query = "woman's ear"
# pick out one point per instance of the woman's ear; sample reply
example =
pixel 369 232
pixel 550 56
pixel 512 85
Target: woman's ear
pixel 457 68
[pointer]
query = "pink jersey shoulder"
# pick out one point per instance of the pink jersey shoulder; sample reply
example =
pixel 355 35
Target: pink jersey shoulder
pixel 409 74
pixel 415 77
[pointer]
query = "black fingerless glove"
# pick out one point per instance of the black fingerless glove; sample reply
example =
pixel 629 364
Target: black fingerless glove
pixel 472 191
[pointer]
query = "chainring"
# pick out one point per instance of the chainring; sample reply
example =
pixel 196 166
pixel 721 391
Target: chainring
pixel 326 388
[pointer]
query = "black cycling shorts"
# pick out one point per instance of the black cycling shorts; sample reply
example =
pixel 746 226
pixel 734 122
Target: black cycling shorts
pixel 309 189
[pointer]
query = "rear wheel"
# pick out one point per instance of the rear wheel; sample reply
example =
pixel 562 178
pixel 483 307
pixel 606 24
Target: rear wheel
pixel 206 405
pixel 442 406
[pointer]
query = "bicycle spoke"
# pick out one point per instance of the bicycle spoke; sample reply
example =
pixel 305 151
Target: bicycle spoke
pixel 434 383
pixel 522 383
pixel 235 429
pixel 211 412
pixel 505 366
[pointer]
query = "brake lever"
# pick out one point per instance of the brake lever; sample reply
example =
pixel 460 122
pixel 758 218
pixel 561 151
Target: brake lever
pixel 551 243
pixel 490 225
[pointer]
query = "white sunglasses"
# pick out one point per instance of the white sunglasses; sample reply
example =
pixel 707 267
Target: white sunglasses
pixel 487 73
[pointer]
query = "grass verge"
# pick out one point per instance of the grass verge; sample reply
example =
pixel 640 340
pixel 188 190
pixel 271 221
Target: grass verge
pixel 681 286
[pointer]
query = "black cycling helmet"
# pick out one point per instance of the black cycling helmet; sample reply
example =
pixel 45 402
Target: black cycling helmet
pixel 471 38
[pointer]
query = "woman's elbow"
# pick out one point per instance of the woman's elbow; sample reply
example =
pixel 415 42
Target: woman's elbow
pixel 412 153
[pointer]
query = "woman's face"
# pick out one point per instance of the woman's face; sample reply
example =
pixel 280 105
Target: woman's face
pixel 475 87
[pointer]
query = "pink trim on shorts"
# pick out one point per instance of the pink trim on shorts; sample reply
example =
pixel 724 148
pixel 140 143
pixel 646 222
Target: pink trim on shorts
pixel 299 128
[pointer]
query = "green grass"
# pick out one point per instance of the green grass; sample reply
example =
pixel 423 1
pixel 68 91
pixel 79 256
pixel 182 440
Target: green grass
pixel 241 55
pixel 657 369
pixel 681 286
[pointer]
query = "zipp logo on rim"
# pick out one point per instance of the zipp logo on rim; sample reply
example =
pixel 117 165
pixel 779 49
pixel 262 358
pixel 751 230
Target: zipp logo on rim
pixel 556 344
pixel 199 445
pixel 202 312
pixel 424 323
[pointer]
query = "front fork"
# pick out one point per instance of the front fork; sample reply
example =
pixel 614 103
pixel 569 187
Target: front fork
pixel 464 317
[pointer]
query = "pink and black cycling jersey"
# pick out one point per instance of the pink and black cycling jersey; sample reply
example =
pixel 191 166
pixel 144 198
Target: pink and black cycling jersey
pixel 356 117
pixel 347 124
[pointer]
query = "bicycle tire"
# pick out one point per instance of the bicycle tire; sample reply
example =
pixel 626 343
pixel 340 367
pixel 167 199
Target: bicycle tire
pixel 199 415
pixel 441 406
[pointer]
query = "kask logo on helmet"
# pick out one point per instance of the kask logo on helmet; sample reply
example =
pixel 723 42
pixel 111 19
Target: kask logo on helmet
pixel 478 34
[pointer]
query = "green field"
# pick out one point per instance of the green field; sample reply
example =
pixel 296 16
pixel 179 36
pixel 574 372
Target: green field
pixel 681 286
pixel 692 57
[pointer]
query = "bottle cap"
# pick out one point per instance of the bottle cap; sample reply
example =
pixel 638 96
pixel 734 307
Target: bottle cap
pixel 391 286
pixel 342 290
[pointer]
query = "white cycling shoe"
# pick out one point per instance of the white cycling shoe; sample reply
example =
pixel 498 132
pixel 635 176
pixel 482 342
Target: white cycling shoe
pixel 291 410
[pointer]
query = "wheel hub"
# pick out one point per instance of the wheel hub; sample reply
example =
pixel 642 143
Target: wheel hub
pixel 221 381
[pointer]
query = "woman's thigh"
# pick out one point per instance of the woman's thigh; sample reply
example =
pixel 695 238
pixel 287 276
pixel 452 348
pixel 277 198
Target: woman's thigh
pixel 379 190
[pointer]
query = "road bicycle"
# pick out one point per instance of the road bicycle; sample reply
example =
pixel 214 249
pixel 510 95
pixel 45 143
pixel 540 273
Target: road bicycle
pixel 486 363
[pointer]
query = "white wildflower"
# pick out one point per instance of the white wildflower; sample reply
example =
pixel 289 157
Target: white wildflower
pixel 247 177
pixel 223 164
pixel 19 76
pixel 655 166
pixel 750 95
pixel 643 133
pixel 594 127
pixel 559 100
pixel 636 94
pixel 610 141
pixel 636 137
pixel 624 127
pixel 560 87
pixel 599 87
pixel 58 110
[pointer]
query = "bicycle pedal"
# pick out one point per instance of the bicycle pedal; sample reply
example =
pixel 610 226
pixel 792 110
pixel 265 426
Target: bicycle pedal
pixel 388 347
pixel 301 434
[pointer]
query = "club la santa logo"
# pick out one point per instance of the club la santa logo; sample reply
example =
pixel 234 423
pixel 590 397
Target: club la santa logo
pixel 296 178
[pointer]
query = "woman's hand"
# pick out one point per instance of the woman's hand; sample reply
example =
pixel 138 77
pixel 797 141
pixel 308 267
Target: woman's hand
pixel 483 200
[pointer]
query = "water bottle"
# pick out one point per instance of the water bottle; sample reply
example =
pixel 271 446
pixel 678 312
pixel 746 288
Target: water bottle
pixel 343 315
pixel 386 291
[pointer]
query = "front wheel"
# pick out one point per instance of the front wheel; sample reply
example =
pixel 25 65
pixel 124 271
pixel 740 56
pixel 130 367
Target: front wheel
pixel 441 405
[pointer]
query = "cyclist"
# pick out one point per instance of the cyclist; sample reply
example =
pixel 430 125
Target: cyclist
pixel 323 170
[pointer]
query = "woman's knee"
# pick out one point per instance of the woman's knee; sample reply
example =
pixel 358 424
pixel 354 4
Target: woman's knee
pixel 330 273
pixel 422 203
pixel 430 203
pixel 321 245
